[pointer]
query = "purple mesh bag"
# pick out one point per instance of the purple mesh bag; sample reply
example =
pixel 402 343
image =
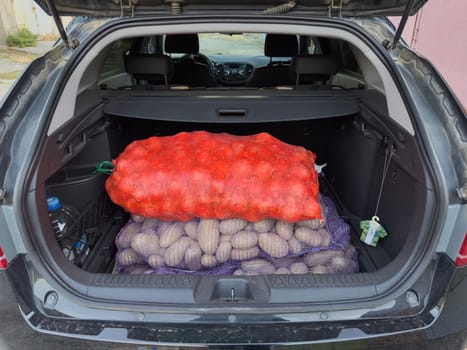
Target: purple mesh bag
pixel 345 259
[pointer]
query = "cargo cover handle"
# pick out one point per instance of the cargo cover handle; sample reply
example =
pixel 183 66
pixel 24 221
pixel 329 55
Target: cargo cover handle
pixel 232 112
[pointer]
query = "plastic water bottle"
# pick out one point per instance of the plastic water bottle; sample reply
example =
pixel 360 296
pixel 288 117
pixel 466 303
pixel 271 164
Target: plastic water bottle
pixel 61 217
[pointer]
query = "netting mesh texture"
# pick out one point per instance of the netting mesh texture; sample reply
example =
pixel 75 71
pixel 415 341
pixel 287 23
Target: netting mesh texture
pixel 205 175
pixel 237 247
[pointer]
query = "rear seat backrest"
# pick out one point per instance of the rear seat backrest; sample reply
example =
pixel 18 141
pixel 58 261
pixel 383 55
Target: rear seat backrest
pixel 182 43
pixel 276 45
pixel 156 69
pixel 311 69
pixel 280 45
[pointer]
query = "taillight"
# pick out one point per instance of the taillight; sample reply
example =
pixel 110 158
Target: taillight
pixel 3 260
pixel 461 259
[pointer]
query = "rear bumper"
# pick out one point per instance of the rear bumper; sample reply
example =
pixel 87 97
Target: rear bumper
pixel 443 314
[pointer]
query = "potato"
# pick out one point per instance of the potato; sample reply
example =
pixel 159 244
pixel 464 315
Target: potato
pixel 244 239
pixel 191 229
pixel 193 257
pixel 251 273
pixel 244 254
pixel 137 218
pixel 155 261
pixel 129 257
pixel 322 257
pixel 208 235
pixel 351 252
pixel 126 234
pixel 338 263
pixel 149 224
pixel 273 245
pixel 285 262
pixel 249 227
pixel 223 251
pixel 174 254
pixel 208 260
pixel 259 266
pixel 284 229
pixel 151 231
pixel 298 268
pixel 326 237
pixel 282 271
pixel 136 270
pixel 231 226
pixel 169 233
pixel 163 225
pixel 313 224
pixel 319 270
pixel 308 236
pixel 342 264
pixel 225 238
pixel 263 225
pixel 295 247
pixel 146 243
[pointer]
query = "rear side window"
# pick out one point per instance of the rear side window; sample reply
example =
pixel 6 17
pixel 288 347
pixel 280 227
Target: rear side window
pixel 113 64
pixel 311 46
pixel 348 59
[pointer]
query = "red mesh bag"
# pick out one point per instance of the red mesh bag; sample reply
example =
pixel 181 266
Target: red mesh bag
pixel 205 175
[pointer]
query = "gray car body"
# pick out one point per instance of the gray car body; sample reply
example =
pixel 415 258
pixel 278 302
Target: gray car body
pixel 25 112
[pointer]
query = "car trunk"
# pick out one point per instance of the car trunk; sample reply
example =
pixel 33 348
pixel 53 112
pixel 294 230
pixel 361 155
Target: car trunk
pixel 348 131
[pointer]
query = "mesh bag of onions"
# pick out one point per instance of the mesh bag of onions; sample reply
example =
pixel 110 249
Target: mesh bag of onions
pixel 236 246
pixel 205 175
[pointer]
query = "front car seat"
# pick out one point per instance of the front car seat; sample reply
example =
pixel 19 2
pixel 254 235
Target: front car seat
pixel 186 70
pixel 276 45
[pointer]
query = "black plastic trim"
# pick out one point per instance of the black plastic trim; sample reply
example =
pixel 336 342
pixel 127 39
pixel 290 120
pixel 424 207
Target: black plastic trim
pixel 231 328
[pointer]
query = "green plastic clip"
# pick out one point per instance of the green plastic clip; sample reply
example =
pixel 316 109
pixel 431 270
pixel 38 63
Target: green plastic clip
pixel 105 167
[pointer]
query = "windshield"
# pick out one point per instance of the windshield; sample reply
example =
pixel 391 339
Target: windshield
pixel 247 44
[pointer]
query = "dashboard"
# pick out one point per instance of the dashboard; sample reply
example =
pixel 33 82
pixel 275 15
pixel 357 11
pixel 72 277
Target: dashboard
pixel 236 70
pixel 233 73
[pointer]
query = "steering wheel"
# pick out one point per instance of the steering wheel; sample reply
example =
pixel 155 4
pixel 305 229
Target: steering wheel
pixel 200 58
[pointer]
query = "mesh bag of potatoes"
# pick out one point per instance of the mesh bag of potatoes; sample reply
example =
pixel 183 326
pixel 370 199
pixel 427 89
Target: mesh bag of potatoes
pixel 236 246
